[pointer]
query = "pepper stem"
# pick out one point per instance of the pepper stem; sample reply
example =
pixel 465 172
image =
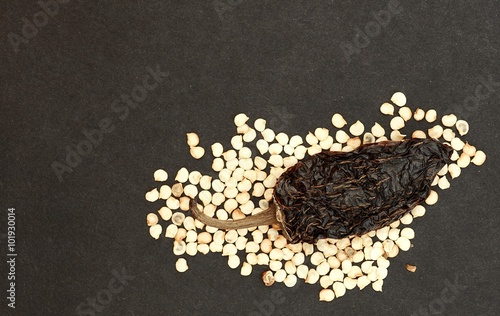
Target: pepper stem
pixel 266 217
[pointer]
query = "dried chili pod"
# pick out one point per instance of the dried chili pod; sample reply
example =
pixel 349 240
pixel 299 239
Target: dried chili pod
pixel 339 194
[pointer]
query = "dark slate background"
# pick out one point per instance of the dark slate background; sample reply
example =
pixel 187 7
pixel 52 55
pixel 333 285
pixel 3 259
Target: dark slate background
pixel 293 64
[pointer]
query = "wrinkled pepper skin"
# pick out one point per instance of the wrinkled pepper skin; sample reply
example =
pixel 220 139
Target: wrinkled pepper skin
pixel 340 194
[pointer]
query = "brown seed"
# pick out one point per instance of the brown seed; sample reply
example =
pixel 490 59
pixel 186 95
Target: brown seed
pixel 411 267
pixel 268 278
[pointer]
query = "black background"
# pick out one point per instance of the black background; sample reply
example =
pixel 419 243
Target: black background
pixel 283 62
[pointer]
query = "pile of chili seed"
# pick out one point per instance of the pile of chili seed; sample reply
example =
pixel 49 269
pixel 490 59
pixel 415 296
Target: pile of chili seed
pixel 244 187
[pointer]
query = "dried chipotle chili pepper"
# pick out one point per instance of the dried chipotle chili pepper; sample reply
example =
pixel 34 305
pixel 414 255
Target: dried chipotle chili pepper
pixel 340 194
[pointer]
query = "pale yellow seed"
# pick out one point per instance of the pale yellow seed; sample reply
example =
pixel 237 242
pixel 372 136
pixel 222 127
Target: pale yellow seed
pixel 397 123
pixel 189 224
pixel 233 261
pixel 382 233
pixel 326 143
pixel 341 136
pixel 290 280
pixel 357 128
pixel 182 175
pixel 275 265
pixel 479 158
pixel 155 231
pixel 399 98
pixel 381 273
pixel 151 219
pixel 377 130
pixel 448 134
pixel 171 231
pixel 268 135
pixel 435 132
pixel 393 233
pixel 240 119
pixel 203 248
pixel 431 116
pixel 407 219
pixel 468 149
pixel 165 192
pixel 197 152
pixel 397 136
pixel 179 246
pixel 403 243
pixel 339 289
pixel 295 141
pixel 347 149
pixel 464 160
pixel 260 162
pixel 275 149
pixel 160 175
pixel 449 120
pixel 191 191
pixel 462 127
pixel 419 114
pixel 418 134
pixel 237 142
pixel 443 171
pixel 350 283
pixel 192 139
pixel 355 272
pixel 338 120
pixel 312 276
pixel 418 211
pixel 252 246
pixel 217 149
pixel 432 198
pixel 302 271
pixel 363 282
pixel 321 133
pixel 260 124
pixel 405 113
pixel 387 109
pixel 246 269
pixel 457 144
pixel 314 149
pixel 300 152
pixel 311 139
pixel 181 265
pixel 336 147
pixel 408 233
pixel 354 142
pixel 368 138
pixel 317 258
pixel 165 213
pixel 326 295
pixel 152 195
pixel 325 281
pixel 276 160
pixel 249 135
pixel 242 129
